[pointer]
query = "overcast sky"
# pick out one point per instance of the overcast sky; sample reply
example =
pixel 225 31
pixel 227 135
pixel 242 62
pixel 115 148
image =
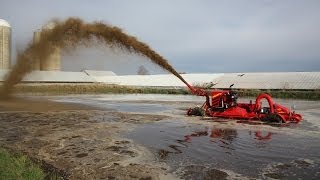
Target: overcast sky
pixel 194 35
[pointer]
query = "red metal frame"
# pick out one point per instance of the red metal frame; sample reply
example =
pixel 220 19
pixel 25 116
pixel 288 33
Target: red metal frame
pixel 223 103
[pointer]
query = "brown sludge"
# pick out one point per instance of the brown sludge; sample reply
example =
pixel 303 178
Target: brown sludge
pixel 73 32
pixel 77 142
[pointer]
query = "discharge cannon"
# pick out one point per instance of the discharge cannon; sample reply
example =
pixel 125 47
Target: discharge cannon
pixel 224 104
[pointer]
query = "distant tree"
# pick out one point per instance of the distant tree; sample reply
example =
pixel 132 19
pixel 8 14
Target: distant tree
pixel 143 71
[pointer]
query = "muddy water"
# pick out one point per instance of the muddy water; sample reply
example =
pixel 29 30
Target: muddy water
pixel 249 153
pixel 139 103
pixel 203 149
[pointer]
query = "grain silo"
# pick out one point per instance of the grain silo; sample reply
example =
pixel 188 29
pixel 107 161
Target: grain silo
pixel 5 44
pixel 36 62
pixel 53 62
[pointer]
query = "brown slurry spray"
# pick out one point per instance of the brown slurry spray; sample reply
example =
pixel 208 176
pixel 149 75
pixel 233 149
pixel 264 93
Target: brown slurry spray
pixel 73 32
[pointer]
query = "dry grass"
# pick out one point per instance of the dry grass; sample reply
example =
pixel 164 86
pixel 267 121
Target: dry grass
pixel 97 88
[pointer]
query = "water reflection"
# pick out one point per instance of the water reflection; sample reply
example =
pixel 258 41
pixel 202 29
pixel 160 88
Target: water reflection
pixel 225 134
pixel 222 137
pixel 254 153
pixel 263 136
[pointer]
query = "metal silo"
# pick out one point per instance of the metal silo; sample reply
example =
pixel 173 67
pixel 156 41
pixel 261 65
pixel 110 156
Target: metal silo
pixel 36 62
pixel 53 62
pixel 5 44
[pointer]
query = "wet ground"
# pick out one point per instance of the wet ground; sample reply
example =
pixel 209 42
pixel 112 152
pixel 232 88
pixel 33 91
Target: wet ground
pixel 149 137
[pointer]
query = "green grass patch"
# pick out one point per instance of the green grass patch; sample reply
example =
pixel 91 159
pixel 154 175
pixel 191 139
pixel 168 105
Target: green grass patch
pixel 18 167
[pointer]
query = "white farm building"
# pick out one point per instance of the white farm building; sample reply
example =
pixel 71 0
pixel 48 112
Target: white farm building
pixel 267 80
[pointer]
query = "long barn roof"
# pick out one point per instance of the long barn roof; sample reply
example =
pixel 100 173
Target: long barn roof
pixel 264 80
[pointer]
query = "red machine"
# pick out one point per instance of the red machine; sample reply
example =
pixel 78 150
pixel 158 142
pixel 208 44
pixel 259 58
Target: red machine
pixel 223 104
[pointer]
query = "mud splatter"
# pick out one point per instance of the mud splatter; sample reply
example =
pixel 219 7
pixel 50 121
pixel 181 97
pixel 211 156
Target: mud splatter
pixel 69 34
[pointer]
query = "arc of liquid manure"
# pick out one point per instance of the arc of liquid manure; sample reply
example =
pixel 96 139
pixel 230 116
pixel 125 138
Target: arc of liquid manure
pixel 72 32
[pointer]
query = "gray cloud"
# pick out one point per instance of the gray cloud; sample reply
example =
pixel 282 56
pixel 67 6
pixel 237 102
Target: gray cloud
pixel 196 36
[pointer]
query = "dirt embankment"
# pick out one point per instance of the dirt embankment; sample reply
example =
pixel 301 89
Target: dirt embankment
pixel 83 143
